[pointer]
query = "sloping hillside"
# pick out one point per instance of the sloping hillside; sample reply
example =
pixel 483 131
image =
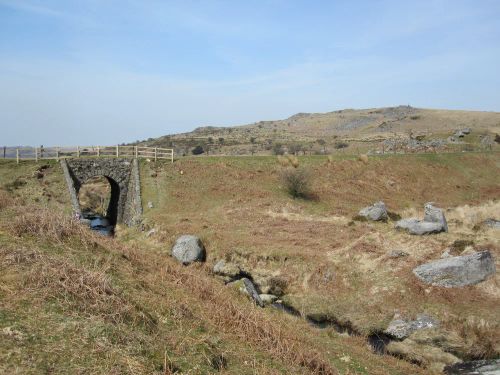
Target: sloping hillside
pixel 325 132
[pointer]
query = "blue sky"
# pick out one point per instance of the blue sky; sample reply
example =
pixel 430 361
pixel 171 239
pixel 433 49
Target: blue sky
pixel 106 71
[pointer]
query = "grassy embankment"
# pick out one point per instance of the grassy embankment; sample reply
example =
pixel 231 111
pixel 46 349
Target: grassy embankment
pixel 72 302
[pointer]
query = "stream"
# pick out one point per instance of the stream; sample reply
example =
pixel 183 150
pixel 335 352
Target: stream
pixel 99 223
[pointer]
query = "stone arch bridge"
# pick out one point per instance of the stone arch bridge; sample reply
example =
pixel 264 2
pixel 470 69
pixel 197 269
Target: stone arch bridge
pixel 123 176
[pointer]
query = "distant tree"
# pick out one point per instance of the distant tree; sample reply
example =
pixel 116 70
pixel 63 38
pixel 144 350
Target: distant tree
pixel 340 144
pixel 210 140
pixel 198 150
pixel 221 140
pixel 295 148
pixel 278 149
pixel 322 142
pixel 497 138
pixel 252 139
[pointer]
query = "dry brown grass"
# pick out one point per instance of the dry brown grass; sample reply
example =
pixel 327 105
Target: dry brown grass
pixel 288 160
pixel 41 223
pixel 482 338
pixel 6 199
pixel 251 325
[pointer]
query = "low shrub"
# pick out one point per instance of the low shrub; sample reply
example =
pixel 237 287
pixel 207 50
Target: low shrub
pixel 363 158
pixel 297 182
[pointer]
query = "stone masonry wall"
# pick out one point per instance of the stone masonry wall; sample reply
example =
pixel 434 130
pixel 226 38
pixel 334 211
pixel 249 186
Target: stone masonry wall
pixel 122 174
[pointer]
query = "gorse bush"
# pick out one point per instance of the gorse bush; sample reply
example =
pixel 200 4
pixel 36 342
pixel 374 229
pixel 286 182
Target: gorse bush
pixel 297 182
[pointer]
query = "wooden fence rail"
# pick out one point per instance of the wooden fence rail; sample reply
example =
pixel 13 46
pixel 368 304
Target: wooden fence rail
pixel 45 153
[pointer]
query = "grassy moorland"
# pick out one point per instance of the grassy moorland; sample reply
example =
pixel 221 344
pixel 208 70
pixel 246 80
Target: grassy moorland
pixel 71 301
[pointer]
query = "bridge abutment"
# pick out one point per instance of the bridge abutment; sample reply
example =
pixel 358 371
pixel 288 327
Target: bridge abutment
pixel 125 204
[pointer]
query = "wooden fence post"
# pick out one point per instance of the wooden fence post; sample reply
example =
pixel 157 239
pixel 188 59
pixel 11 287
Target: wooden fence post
pixel 36 154
pixel 4 151
pixel 135 151
pixel 17 155
pixel 172 156
pixel 77 151
pixel 117 151
pixel 98 151
pixel 155 153
pixel 57 153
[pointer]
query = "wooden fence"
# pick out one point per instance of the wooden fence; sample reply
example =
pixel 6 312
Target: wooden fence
pixel 45 153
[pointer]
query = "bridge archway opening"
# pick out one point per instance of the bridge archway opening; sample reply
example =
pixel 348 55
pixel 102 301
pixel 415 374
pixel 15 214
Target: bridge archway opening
pixel 98 197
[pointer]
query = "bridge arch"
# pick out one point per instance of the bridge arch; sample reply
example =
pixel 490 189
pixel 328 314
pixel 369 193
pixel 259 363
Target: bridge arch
pixel 123 176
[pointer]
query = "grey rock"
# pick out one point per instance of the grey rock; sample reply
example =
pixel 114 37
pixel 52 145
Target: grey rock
pixel 268 299
pixel 227 270
pixel 418 227
pixel 402 328
pixel 397 254
pixel 149 233
pixel 249 289
pixel 434 222
pixel 435 215
pixel 492 223
pixel 462 132
pixel 375 212
pixel 480 367
pixel 188 249
pixel 457 271
pixel 150 204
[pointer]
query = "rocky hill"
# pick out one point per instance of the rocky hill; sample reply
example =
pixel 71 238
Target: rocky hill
pixel 364 130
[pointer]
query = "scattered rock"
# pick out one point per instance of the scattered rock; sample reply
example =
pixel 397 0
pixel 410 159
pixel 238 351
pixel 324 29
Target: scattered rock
pixel 397 254
pixel 227 270
pixel 418 227
pixel 375 212
pixel 492 223
pixel 150 204
pixel 150 232
pixel 481 367
pixel 434 222
pixel 188 249
pixel 268 299
pixel 460 133
pixel 457 271
pixel 435 215
pixel 246 286
pixel 402 328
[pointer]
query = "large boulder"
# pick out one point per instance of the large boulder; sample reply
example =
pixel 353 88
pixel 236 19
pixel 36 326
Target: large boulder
pixel 402 328
pixel 375 212
pixel 188 249
pixel 435 215
pixel 418 227
pixel 434 222
pixel 457 271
